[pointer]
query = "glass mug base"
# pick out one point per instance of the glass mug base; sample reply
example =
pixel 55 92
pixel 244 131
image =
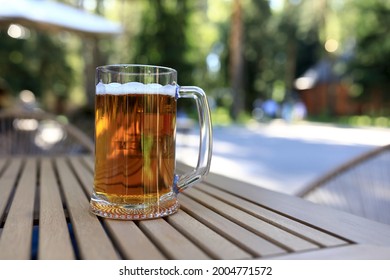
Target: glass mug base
pixel 105 209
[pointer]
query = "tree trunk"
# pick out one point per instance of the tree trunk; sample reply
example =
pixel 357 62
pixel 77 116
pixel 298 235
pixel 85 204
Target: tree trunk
pixel 91 60
pixel 236 60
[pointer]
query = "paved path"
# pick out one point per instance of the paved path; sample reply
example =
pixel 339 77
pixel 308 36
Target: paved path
pixel 279 156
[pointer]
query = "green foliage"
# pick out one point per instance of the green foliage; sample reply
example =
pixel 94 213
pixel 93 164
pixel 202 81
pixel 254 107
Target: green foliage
pixel 259 51
pixel 221 116
pixel 278 46
pixel 37 64
pixel 162 39
pixel 370 65
pixel 355 121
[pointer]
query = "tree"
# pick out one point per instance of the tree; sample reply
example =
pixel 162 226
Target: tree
pixel 37 63
pixel 236 65
pixel 247 60
pixel 369 65
pixel 162 39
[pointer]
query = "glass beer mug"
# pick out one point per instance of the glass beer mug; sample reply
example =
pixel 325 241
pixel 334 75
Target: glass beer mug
pixel 135 135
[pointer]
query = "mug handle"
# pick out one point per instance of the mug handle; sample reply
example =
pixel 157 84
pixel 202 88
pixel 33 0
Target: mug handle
pixel 205 141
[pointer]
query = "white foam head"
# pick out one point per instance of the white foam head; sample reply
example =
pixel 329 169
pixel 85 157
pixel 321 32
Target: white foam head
pixel 134 88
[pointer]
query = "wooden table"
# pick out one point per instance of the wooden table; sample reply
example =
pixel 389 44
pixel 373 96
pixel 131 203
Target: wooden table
pixel 44 214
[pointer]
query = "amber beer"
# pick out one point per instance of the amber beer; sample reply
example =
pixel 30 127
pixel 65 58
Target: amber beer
pixel 135 148
pixel 135 131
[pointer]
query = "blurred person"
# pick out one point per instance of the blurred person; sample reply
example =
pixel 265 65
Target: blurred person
pixel 299 110
pixel 293 109
pixel 271 108
pixel 258 112
pixel 287 110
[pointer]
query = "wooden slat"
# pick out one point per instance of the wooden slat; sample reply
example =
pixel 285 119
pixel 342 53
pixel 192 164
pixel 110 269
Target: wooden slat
pixel 170 241
pixel 7 182
pixel 89 161
pixel 220 218
pixel 92 241
pixel 83 173
pixel 3 162
pixel 132 241
pixel 54 238
pixel 330 220
pixel 120 231
pixel 213 243
pixel 268 231
pixel 314 235
pixel 350 252
pixel 16 238
pixel 242 237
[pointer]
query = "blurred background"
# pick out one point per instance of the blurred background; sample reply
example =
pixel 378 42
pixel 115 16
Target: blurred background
pixel 272 69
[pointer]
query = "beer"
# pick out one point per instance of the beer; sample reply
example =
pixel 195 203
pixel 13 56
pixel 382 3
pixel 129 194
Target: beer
pixel 135 147
pixel 135 136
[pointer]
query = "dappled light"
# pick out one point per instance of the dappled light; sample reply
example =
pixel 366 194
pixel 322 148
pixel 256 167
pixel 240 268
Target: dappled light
pixel 18 31
pixel 49 133
pixel 25 124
